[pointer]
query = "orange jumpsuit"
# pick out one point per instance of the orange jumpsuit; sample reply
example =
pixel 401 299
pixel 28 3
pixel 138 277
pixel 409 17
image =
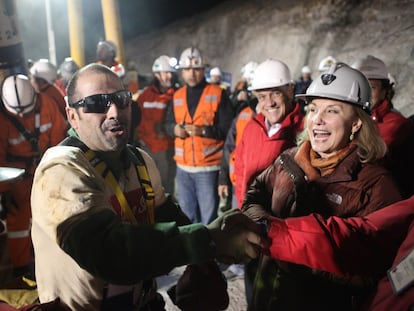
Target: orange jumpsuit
pixel 17 151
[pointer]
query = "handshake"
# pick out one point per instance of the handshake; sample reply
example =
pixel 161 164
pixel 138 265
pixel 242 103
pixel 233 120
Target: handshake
pixel 202 287
pixel 236 238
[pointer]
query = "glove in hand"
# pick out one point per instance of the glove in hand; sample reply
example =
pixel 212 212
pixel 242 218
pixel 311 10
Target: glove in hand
pixel 202 287
pixel 237 238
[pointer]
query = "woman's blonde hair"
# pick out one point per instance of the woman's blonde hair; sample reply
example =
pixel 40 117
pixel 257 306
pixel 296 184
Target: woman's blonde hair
pixel 370 146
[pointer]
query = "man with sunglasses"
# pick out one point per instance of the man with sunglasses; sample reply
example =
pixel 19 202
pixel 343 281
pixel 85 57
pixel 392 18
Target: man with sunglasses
pixel 102 224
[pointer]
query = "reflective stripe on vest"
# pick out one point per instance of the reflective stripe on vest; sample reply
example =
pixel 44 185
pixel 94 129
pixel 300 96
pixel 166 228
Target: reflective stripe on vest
pixel 15 141
pixel 18 234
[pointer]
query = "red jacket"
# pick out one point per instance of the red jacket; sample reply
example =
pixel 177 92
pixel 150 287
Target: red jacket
pixel 256 151
pixel 14 146
pixel 398 133
pixel 53 92
pixel 153 106
pixel 365 246
pixel 393 127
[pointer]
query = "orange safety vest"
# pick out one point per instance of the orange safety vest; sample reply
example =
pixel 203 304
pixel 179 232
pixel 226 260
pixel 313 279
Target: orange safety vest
pixel 243 118
pixel 196 150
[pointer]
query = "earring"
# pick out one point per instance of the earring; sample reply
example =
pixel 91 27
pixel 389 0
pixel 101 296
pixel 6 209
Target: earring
pixel 351 137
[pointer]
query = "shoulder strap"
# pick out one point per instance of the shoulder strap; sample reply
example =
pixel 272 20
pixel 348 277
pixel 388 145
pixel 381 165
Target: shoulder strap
pixel 31 137
pixel 144 179
pixel 140 166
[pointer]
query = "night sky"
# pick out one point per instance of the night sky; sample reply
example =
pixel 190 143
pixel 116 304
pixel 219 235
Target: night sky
pixel 137 17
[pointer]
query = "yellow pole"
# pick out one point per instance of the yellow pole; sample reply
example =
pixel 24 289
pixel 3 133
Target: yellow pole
pixel 113 31
pixel 75 18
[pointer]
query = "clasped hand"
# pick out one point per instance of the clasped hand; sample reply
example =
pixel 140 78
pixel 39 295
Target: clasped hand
pixel 237 238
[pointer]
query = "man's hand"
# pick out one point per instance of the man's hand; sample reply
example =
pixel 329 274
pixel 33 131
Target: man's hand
pixel 223 191
pixel 237 238
pixel 193 130
pixel 180 131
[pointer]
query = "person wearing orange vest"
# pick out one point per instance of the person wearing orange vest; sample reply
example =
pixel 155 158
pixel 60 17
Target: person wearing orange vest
pixel 150 133
pixel 396 130
pixel 227 178
pixel 30 123
pixel 43 76
pixel 199 120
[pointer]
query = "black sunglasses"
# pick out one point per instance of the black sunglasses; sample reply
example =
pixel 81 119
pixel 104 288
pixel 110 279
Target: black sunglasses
pixel 100 103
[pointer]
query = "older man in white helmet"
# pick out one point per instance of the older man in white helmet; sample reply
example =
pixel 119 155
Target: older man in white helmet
pixel 199 121
pixel 273 129
pixel 150 133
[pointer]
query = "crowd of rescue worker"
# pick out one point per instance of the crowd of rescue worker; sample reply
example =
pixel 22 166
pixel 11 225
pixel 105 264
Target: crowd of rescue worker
pixel 301 187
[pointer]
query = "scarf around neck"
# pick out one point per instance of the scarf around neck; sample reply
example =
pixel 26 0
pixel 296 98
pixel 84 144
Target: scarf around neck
pixel 314 165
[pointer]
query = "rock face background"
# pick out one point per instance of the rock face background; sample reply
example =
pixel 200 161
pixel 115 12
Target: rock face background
pixel 298 32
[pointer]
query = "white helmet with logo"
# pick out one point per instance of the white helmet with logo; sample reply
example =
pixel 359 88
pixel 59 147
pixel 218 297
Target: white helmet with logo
pixel 191 58
pixel 326 63
pixel 372 68
pixel 44 69
pixel 163 64
pixel 18 95
pixel 343 83
pixel 270 74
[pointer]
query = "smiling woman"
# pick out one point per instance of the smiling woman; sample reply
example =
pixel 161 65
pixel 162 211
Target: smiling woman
pixel 333 171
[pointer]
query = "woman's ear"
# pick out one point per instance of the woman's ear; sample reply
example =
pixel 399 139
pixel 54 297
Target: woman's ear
pixel 356 125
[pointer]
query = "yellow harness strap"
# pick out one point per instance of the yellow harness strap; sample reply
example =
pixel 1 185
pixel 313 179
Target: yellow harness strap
pixel 143 177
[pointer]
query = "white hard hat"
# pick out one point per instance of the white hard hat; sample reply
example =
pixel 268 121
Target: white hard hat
pixel 372 68
pixel 119 69
pixel 343 83
pixel 18 94
pixel 191 58
pixel 306 69
pixel 68 67
pixel 247 71
pixel 215 71
pixel 44 69
pixel 163 64
pixel 269 74
pixel 326 63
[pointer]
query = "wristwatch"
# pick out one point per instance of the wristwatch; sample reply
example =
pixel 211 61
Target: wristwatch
pixel 203 131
